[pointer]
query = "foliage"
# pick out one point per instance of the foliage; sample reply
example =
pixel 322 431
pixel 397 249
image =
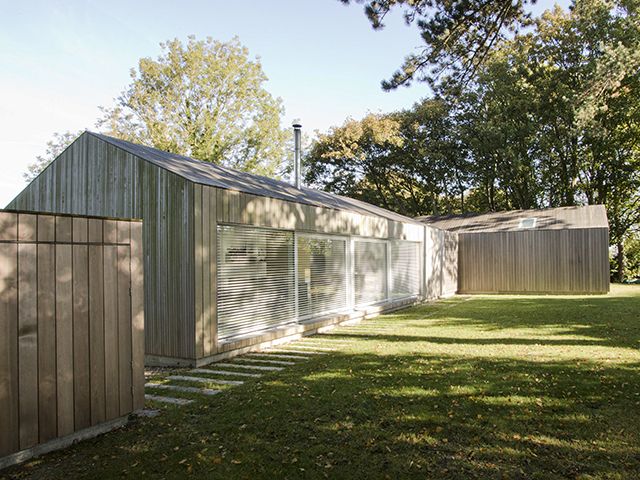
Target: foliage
pixel 406 161
pixel 551 118
pixel 458 35
pixel 55 147
pixel 492 387
pixel 205 99
pixel 631 248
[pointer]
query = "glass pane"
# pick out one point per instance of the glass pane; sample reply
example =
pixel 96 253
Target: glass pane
pixel 370 271
pixel 322 281
pixel 255 280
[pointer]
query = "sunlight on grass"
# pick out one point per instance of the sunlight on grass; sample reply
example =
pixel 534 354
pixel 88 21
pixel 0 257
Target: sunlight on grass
pixel 522 387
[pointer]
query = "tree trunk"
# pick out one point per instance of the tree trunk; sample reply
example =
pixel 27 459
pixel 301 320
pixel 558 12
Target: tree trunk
pixel 620 262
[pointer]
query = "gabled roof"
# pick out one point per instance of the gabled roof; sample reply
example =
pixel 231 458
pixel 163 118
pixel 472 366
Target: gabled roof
pixel 589 216
pixel 206 173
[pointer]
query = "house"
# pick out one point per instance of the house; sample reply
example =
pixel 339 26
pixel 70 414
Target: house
pixel 235 261
pixel 554 250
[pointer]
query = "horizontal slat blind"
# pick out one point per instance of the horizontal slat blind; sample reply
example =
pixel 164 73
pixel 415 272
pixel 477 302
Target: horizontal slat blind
pixel 322 280
pixel 255 280
pixel 405 268
pixel 370 271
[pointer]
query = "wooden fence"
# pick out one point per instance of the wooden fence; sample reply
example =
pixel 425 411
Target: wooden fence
pixel 71 325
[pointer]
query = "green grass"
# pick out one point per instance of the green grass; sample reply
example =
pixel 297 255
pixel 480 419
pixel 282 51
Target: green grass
pixel 486 387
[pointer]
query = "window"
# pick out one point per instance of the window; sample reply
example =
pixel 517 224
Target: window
pixel 322 275
pixel 255 280
pixel 405 268
pixel 370 271
pixel 528 222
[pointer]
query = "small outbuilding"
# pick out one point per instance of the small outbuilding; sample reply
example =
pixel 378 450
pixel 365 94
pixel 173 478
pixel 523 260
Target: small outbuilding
pixel 555 250
pixel 234 260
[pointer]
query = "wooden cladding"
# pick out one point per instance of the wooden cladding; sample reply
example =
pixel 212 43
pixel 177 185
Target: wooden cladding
pixel 441 263
pixel 71 325
pixel 535 261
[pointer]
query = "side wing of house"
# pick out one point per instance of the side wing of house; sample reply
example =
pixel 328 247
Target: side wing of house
pixel 93 177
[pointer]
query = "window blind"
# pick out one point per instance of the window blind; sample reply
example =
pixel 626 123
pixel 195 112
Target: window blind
pixel 255 280
pixel 370 271
pixel 322 276
pixel 405 268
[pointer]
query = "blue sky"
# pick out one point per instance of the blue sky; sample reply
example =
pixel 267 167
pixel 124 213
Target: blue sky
pixel 60 60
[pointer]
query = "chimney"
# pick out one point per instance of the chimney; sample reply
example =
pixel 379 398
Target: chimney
pixel 297 152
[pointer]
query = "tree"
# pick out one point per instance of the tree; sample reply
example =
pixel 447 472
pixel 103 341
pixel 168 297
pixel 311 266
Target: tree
pixel 54 148
pixel 458 34
pixel 206 100
pixel 352 159
pixel 407 161
pixel 550 118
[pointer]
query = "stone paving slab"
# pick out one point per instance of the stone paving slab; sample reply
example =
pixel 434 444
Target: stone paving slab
pixel 321 349
pixel 180 388
pixel 308 352
pixel 275 355
pixel 172 400
pixel 207 371
pixel 251 367
pixel 185 378
pixel 275 362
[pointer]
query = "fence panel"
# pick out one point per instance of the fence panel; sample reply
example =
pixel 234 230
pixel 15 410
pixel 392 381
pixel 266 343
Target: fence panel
pixel 71 327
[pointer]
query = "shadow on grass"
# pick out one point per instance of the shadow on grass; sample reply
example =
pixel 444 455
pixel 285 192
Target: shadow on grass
pixel 388 416
pixel 388 411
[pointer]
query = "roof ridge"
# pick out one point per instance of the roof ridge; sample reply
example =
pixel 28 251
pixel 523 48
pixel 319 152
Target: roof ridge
pixel 209 173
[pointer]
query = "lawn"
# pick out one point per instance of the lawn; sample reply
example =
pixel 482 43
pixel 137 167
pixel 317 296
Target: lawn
pixel 469 387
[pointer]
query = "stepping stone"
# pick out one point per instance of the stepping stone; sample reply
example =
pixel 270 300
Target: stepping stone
pixel 178 388
pixel 146 412
pixel 331 341
pixel 283 350
pixel 252 367
pixel 206 371
pixel 323 349
pixel 275 362
pixel 185 378
pixel 172 400
pixel 275 355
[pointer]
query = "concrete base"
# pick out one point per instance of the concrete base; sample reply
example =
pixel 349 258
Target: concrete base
pixel 62 442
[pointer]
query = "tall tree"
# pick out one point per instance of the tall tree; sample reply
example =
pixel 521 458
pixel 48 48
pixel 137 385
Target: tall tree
pixel 207 100
pixel 457 34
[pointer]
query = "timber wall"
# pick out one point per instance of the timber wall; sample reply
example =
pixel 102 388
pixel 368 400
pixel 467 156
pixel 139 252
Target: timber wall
pixel 535 261
pixel 93 177
pixel 71 325
pixel 213 206
pixel 441 263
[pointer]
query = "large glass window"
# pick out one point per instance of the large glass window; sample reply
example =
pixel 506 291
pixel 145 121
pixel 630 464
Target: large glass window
pixel 370 271
pixel 405 268
pixel 322 275
pixel 255 280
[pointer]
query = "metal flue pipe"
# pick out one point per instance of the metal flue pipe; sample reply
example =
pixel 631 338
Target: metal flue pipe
pixel 297 152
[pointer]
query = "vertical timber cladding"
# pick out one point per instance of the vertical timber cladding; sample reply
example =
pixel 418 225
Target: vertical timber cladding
pixel 71 325
pixel 537 261
pixel 319 261
pixel 93 177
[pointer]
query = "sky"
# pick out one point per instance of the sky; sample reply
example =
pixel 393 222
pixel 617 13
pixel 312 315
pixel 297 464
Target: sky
pixel 61 60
